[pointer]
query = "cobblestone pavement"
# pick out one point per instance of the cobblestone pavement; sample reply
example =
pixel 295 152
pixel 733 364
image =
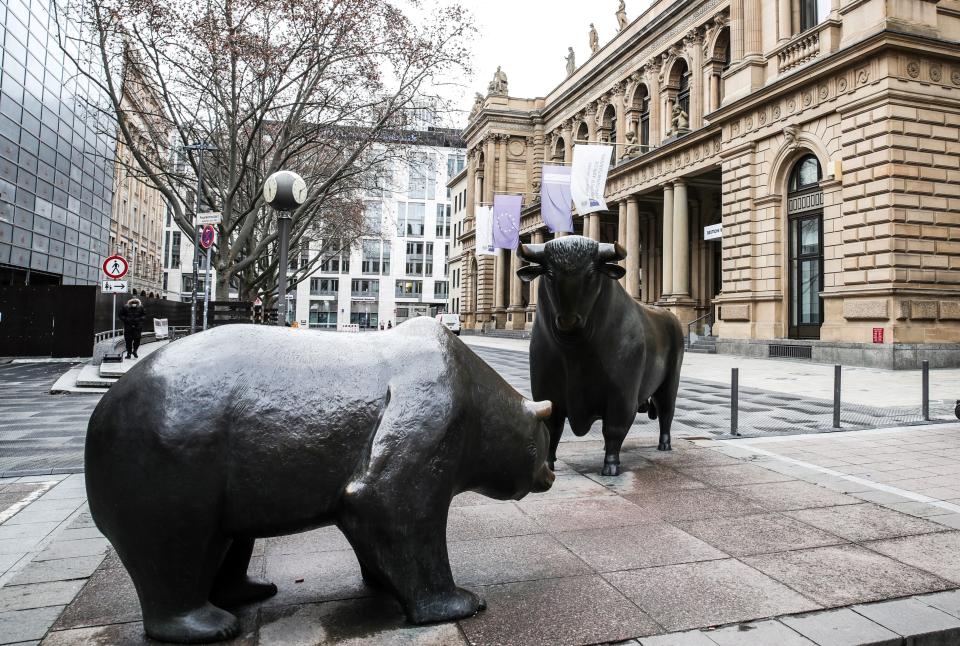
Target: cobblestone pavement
pixel 40 433
pixel 703 407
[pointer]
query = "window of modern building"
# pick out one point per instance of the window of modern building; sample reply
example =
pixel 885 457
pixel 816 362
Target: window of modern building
pixel 441 289
pixel 365 288
pixel 373 218
pixel 364 314
pixel 323 314
pixel 337 260
pixel 409 288
pixel 443 220
pixel 410 217
pixel 175 250
pixel 324 286
pixel 371 257
pixel 417 176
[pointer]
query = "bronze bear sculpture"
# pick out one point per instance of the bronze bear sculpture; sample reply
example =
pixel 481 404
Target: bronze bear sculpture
pixel 250 431
pixel 595 352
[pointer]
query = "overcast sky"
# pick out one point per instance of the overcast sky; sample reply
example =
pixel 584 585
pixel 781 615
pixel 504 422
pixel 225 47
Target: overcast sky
pixel 529 39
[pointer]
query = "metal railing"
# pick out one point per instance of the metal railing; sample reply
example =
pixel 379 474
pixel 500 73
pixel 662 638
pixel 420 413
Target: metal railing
pixel 109 334
pixel 694 325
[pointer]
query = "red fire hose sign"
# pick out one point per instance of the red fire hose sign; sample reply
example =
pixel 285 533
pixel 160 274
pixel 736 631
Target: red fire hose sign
pixel 115 267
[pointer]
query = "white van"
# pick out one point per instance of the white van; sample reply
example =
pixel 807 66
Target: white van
pixel 452 321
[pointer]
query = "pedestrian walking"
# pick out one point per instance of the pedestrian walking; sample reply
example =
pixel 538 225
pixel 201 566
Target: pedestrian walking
pixel 132 314
pixel 389 325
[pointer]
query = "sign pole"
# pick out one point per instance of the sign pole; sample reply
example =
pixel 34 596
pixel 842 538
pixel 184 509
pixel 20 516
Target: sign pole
pixel 206 290
pixel 113 314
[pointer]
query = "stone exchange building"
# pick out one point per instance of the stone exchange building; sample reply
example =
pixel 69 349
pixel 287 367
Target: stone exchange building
pixel 822 135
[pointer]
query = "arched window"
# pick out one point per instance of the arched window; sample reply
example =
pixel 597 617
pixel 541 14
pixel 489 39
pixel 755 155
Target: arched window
pixel 644 115
pixel 583 133
pixel 806 174
pixel 805 224
pixel 683 89
pixel 559 150
pixel 609 121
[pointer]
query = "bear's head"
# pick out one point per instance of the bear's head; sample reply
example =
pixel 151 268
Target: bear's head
pixel 514 446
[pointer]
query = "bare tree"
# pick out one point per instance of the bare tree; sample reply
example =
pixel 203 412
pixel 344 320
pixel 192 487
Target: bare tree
pixel 314 86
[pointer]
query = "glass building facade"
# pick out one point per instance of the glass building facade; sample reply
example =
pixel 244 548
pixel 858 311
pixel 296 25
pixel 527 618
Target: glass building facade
pixel 56 156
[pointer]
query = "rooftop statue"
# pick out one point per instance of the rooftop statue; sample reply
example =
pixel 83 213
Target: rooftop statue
pixel 571 62
pixel 594 40
pixel 622 15
pixel 499 83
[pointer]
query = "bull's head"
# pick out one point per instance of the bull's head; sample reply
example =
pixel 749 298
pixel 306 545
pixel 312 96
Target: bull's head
pixel 574 269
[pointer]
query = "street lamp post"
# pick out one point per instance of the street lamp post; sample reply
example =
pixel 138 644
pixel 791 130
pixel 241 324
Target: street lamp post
pixel 200 147
pixel 285 191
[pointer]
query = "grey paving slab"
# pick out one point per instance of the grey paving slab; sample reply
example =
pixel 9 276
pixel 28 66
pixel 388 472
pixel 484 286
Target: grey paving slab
pixel 650 477
pixel 694 595
pixel 322 576
pixel 108 598
pixel 791 495
pixel 131 633
pixel 735 474
pixel 489 521
pixel 845 574
pixel 915 619
pixel 936 553
pixel 842 627
pixel 583 513
pixel 556 611
pixel 688 504
pixel 637 546
pixel 948 601
pixel 758 534
pixel 686 638
pixel 759 633
pixel 325 539
pixel 80 567
pixel 357 622
pixel 864 522
pixel 517 558
pixel 38 595
pixel 63 549
pixel 24 625
pixel 571 486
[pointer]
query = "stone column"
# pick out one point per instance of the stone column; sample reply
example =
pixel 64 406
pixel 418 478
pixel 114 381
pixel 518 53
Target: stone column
pixel 695 50
pixel 752 28
pixel 681 241
pixel 714 91
pixel 653 86
pixel 471 183
pixel 515 287
pixel 784 20
pixel 568 142
pixel 536 238
pixel 633 246
pixel 531 166
pixel 622 223
pixel 620 105
pixel 591 118
pixel 736 30
pixel 489 172
pixel 588 225
pixel 667 241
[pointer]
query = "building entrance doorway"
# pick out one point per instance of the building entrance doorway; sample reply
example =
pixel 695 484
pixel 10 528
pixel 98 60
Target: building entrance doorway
pixel 805 241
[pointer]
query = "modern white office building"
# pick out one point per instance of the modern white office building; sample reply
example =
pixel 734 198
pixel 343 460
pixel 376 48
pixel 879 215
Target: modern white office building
pixel 457 186
pixel 402 273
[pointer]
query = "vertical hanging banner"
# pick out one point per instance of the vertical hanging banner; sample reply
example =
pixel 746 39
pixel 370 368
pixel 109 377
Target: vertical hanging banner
pixel 484 216
pixel 506 221
pixel 588 178
pixel 555 198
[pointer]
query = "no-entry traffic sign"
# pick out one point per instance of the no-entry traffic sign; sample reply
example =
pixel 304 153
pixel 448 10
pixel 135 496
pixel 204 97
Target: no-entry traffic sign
pixel 207 236
pixel 115 267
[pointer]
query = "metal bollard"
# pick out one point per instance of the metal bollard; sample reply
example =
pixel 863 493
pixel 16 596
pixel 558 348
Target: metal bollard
pixel 734 403
pixel 926 391
pixel 836 396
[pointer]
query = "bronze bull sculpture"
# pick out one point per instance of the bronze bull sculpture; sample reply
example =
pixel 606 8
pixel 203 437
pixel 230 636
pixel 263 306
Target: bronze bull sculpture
pixel 595 353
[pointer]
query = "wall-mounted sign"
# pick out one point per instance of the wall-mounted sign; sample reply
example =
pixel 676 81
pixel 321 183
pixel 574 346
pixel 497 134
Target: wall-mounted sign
pixel 713 231
pixel 114 286
pixel 209 217
pixel 878 335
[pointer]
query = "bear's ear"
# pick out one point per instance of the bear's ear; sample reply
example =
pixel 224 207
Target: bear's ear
pixel 530 272
pixel 540 410
pixel 613 270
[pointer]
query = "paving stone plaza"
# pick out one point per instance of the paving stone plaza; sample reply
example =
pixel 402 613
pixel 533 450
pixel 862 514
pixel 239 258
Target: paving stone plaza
pixel 811 538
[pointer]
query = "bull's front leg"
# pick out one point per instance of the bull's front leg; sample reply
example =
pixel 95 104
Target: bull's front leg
pixel 555 426
pixel 613 436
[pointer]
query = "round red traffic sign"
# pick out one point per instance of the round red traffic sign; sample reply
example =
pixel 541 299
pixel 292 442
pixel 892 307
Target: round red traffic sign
pixel 115 267
pixel 207 236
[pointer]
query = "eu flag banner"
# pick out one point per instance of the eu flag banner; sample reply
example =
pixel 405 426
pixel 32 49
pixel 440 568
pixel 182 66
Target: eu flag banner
pixel 589 177
pixel 506 221
pixel 484 216
pixel 555 198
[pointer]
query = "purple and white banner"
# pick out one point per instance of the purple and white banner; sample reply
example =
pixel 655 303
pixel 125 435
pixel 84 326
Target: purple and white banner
pixel 484 216
pixel 506 221
pixel 589 177
pixel 555 198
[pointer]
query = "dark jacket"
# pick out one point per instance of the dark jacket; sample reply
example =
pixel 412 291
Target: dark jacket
pixel 132 314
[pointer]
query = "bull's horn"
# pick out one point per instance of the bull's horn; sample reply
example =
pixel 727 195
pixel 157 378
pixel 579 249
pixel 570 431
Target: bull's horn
pixel 542 409
pixel 612 252
pixel 531 252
